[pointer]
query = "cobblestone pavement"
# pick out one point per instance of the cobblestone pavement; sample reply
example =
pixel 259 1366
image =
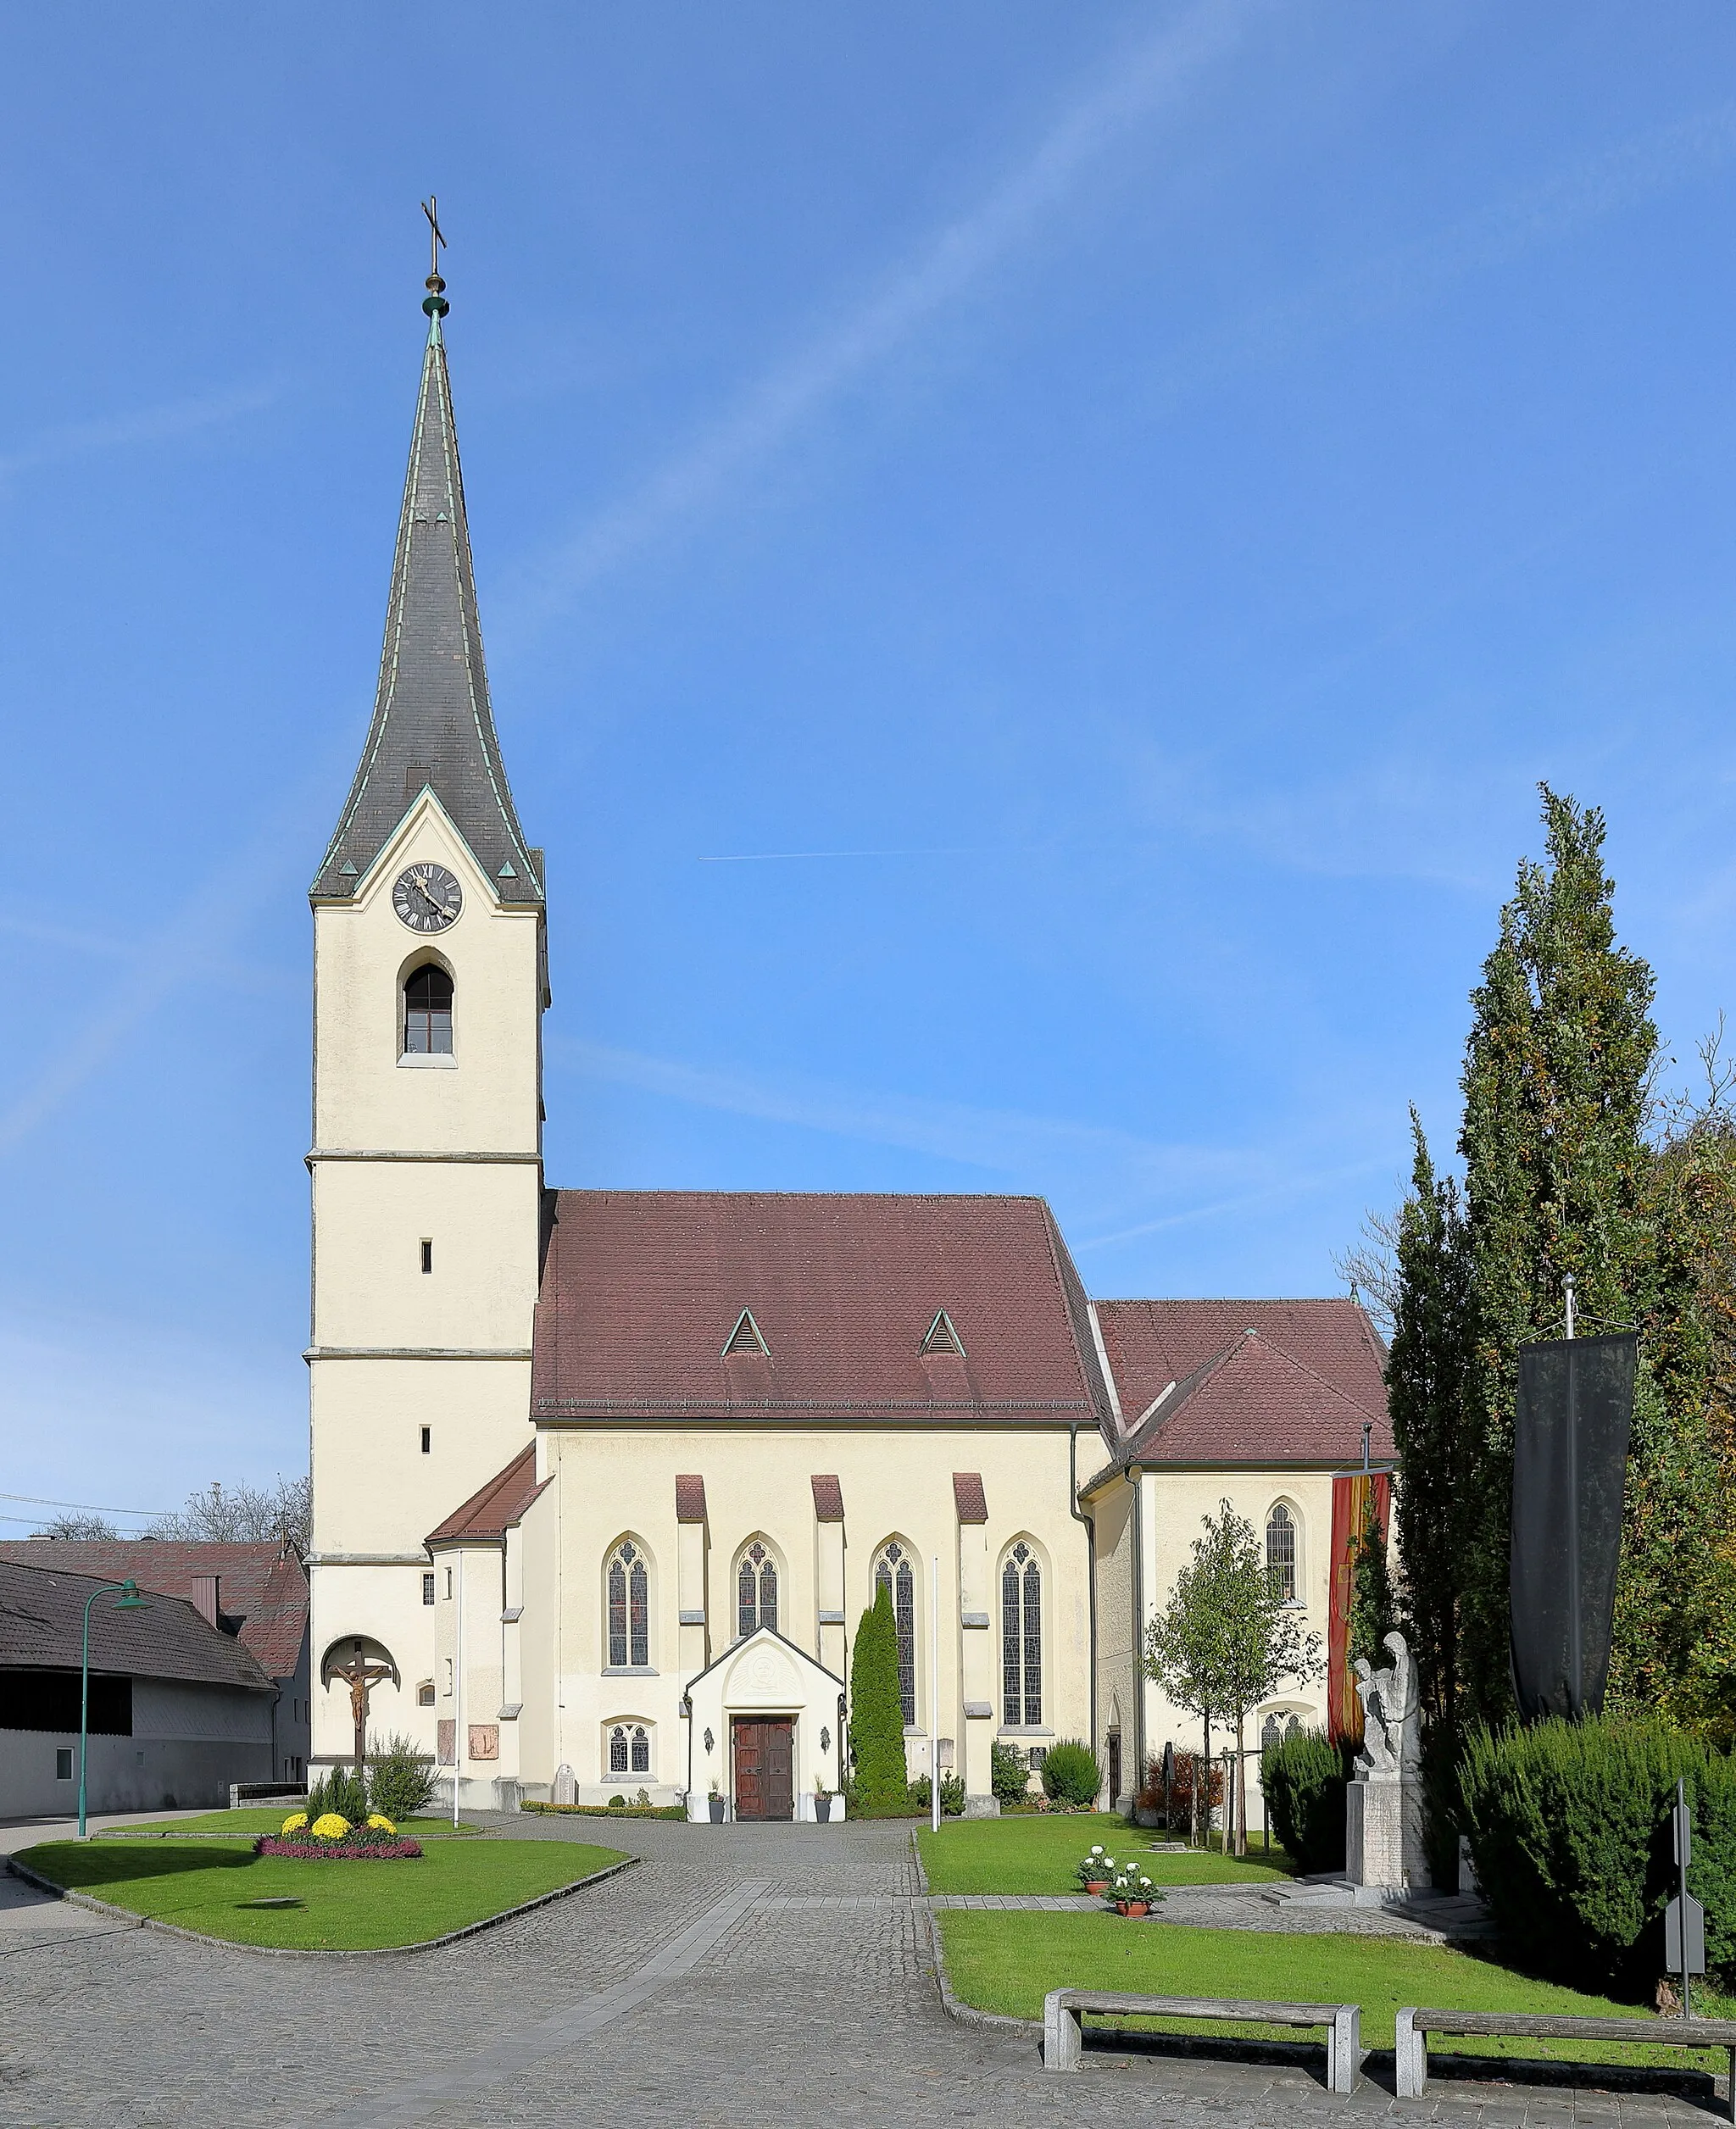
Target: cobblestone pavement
pixel 773 1973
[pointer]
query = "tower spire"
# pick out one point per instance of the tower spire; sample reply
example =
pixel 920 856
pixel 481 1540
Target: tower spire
pixel 433 723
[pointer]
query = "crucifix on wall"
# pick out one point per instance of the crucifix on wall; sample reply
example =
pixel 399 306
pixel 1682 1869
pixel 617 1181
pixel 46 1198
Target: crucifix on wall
pixel 361 1676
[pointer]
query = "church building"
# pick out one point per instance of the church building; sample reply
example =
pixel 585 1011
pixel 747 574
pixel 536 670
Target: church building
pixel 603 1480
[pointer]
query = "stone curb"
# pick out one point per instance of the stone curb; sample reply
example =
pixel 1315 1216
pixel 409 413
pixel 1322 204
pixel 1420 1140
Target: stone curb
pixel 126 1916
pixel 964 2013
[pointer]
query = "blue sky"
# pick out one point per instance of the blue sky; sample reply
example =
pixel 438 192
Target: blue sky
pixel 1144 492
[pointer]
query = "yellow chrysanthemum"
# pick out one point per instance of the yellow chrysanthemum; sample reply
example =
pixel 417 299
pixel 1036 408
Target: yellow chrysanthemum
pixel 384 1825
pixel 294 1824
pixel 330 1827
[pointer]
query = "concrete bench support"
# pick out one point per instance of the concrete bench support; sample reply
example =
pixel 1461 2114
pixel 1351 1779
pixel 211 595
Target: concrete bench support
pixel 1414 2026
pixel 1064 2024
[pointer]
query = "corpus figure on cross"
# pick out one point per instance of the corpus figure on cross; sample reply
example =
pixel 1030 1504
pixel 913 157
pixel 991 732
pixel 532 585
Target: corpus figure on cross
pixel 361 1676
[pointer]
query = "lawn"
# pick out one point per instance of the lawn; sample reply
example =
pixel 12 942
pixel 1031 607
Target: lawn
pixel 235 1826
pixel 1041 1854
pixel 1007 1961
pixel 205 1886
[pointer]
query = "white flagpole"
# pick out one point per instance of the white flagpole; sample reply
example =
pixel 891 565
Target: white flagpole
pixel 457 1693
pixel 934 1693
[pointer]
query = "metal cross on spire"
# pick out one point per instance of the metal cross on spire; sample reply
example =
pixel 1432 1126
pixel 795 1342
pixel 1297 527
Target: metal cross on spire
pixel 434 302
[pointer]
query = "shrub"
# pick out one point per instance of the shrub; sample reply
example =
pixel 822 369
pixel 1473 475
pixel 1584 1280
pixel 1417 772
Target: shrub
pixel 876 1713
pixel 1304 1776
pixel 1070 1774
pixel 338 1793
pixel 400 1778
pixel 1007 1775
pixel 1569 1826
pixel 952 1795
pixel 1177 1802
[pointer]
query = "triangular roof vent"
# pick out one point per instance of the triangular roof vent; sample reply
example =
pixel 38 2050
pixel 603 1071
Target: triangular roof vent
pixel 942 1338
pixel 745 1338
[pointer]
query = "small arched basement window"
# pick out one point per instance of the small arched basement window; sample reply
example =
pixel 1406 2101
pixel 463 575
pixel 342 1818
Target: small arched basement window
pixel 427 1012
pixel 629 1748
pixel 1281 1554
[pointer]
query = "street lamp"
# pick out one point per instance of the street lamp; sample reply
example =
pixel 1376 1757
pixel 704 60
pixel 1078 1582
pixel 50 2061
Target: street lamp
pixel 128 1600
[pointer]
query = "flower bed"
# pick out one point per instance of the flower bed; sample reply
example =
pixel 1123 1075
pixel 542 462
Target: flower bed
pixel 350 1849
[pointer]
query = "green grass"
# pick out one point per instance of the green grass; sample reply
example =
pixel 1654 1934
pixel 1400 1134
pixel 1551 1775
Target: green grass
pixel 243 1825
pixel 200 1884
pixel 1041 1854
pixel 1007 1961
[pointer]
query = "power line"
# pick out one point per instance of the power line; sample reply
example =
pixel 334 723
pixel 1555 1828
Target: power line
pixel 38 1500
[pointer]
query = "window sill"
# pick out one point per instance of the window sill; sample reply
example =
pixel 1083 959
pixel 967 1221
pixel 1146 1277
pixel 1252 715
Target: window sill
pixel 630 1670
pixel 1020 1730
pixel 418 1060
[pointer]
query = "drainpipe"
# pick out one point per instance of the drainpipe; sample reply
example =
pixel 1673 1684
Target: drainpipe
pixel 1080 1517
pixel 688 1710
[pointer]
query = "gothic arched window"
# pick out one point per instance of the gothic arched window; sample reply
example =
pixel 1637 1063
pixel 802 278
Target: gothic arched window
pixel 1022 1638
pixel 1281 1554
pixel 427 1012
pixel 756 1590
pixel 629 1609
pixel 892 1572
pixel 629 1748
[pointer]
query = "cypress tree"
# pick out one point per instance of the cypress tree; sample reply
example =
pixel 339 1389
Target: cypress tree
pixel 877 1712
pixel 1557 1081
pixel 1425 1375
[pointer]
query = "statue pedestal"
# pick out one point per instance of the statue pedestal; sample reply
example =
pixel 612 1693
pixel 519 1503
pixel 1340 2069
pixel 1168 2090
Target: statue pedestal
pixel 1383 1830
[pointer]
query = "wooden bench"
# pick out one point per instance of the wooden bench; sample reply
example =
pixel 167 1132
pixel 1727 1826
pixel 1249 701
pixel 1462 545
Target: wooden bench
pixel 1064 2023
pixel 1414 2028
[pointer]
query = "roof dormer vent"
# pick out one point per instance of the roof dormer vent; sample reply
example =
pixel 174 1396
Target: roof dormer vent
pixel 745 1337
pixel 942 1338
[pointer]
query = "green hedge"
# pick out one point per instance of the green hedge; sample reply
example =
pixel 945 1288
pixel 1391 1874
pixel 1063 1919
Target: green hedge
pixel 1569 1826
pixel 1304 1776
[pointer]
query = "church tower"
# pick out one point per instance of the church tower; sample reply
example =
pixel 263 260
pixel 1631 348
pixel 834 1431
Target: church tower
pixel 430 983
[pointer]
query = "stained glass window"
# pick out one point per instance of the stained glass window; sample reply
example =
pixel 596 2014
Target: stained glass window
pixel 756 1592
pixel 1021 1639
pixel 893 1571
pixel 641 1750
pixel 618 1749
pixel 629 1609
pixel 1281 1554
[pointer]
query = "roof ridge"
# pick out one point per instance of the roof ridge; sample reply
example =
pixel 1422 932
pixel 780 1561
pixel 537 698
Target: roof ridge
pixel 1297 1361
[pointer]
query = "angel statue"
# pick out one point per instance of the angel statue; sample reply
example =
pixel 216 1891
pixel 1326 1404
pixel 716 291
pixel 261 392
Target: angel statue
pixel 1390 1743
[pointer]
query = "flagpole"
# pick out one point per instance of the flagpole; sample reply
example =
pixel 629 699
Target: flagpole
pixel 457 1693
pixel 934 1693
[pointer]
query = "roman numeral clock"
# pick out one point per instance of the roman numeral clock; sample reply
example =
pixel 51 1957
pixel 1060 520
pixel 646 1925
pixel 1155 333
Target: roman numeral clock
pixel 427 898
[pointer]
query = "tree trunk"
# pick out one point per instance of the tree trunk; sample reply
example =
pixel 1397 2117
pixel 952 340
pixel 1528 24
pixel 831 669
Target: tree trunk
pixel 1241 1788
pixel 1202 1776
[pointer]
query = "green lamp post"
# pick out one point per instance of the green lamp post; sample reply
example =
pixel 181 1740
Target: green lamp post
pixel 128 1600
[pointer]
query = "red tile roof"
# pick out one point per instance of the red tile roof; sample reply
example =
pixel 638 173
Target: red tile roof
pixel 828 1497
pixel 968 1497
pixel 41 1627
pixel 262 1590
pixel 494 1509
pixel 689 1497
pixel 640 1289
pixel 1247 1381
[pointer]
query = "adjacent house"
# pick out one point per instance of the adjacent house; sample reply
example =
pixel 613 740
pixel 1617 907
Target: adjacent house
pixel 178 1709
pixel 256 1594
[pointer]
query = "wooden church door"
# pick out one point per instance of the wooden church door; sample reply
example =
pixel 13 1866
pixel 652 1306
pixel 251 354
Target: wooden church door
pixel 766 1758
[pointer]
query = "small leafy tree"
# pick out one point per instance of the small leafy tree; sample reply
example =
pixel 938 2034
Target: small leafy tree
pixel 400 1777
pixel 1226 1639
pixel 877 1712
pixel 1007 1775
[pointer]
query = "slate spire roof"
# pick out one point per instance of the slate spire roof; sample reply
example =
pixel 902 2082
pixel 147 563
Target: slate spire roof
pixel 433 723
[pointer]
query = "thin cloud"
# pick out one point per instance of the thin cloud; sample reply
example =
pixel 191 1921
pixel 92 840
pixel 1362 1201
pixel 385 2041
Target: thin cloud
pixel 941 269
pixel 145 426
pixel 1292 1187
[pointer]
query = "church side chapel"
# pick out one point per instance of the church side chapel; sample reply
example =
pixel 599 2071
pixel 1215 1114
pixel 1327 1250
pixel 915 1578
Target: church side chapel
pixel 603 1480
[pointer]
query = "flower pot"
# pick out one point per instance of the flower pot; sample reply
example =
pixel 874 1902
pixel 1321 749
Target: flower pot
pixel 1131 1909
pixel 822 1809
pixel 1096 1886
pixel 716 1811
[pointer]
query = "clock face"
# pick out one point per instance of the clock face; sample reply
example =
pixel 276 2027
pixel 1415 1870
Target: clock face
pixel 426 897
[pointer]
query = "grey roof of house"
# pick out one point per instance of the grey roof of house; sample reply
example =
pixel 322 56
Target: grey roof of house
pixel 433 723
pixel 42 1618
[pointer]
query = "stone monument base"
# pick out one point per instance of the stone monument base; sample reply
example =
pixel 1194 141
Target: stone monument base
pixel 1383 1830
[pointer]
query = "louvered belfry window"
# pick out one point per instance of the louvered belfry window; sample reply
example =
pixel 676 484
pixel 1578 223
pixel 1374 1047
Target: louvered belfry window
pixel 756 1592
pixel 1021 1639
pixel 427 1013
pixel 893 1571
pixel 629 1609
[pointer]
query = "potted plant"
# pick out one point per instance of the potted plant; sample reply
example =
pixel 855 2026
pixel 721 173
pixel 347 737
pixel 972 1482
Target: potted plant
pixel 716 1802
pixel 822 1801
pixel 1130 1893
pixel 1096 1871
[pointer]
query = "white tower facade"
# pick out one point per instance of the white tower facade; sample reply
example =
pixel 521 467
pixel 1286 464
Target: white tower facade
pixel 430 983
